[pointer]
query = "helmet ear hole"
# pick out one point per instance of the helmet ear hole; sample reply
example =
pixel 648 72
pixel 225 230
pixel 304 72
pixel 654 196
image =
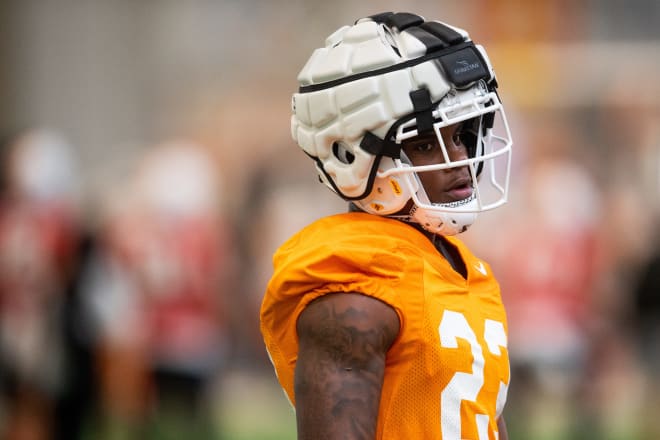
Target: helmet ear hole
pixel 342 153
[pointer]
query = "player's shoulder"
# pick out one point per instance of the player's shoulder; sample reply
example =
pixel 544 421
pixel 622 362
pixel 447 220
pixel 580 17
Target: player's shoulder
pixel 358 241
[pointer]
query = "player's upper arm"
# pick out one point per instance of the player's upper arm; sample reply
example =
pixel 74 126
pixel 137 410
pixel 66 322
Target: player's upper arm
pixel 343 341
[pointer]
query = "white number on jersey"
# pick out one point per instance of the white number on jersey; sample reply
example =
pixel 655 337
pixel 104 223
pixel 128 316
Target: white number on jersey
pixel 466 386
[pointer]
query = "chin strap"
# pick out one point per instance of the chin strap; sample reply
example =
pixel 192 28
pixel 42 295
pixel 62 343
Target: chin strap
pixel 408 218
pixel 402 217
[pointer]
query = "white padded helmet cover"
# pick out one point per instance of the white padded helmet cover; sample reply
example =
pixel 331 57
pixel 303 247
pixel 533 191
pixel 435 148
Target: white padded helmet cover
pixel 360 83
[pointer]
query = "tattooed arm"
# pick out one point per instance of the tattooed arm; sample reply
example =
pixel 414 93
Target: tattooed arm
pixel 343 339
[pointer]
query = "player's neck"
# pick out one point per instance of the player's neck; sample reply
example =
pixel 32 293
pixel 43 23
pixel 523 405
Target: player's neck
pixel 450 252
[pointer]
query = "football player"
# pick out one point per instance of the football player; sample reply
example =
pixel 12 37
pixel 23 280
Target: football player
pixel 380 323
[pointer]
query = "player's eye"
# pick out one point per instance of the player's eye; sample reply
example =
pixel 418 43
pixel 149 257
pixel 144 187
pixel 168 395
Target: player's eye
pixel 457 137
pixel 424 147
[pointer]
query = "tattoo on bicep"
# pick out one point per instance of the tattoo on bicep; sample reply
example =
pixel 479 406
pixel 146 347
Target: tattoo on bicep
pixel 341 370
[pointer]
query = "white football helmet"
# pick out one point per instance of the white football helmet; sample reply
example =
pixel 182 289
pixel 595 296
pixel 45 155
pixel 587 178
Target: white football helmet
pixel 386 79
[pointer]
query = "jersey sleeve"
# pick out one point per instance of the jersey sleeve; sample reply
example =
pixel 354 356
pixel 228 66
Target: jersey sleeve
pixel 310 266
pixel 356 264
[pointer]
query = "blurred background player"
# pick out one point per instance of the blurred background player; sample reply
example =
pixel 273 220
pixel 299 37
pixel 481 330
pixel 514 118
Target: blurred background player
pixel 380 322
pixel 156 289
pixel 39 237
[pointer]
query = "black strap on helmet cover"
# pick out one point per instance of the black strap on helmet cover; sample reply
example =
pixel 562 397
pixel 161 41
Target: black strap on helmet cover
pixel 374 145
pixel 423 109
pixel 399 20
pixel 393 68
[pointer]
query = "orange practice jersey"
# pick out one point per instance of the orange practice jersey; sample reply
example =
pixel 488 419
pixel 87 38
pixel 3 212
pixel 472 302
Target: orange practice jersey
pixel 447 373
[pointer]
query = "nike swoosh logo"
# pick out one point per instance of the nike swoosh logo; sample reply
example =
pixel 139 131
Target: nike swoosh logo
pixel 481 268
